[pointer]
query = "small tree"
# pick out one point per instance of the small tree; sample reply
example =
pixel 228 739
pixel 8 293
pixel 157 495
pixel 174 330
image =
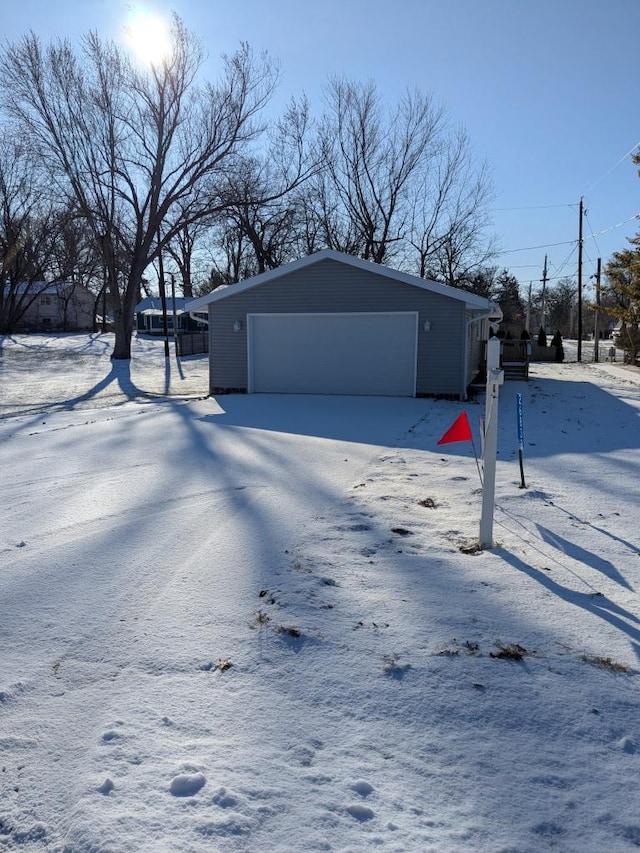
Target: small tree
pixel 542 337
pixel 482 282
pixel 622 295
pixel 507 295
pixel 621 292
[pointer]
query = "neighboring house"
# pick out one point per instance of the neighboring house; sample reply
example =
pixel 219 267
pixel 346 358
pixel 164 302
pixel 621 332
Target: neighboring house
pixel 331 323
pixel 148 314
pixel 60 307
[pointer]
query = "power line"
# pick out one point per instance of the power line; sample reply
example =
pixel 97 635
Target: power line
pixel 544 246
pixel 574 204
pixel 565 262
pixel 589 258
pixel 592 234
pixel 531 207
pixel 569 242
pixel 537 266
pixel 524 266
pixel 617 225
pixel 606 174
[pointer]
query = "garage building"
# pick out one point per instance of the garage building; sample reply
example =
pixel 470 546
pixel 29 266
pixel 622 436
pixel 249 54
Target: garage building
pixel 331 323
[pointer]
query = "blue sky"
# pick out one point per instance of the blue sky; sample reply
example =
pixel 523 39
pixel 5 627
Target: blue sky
pixel 546 90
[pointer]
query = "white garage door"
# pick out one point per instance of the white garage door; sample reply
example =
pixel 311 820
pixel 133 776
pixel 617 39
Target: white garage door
pixel 364 353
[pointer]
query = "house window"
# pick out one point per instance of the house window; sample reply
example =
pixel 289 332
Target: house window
pixel 45 300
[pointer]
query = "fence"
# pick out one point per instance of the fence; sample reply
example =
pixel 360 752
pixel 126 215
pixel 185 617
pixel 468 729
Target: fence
pixel 192 343
pixel 514 359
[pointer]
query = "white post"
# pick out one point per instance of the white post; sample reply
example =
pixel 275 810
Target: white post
pixel 495 378
pixel 494 348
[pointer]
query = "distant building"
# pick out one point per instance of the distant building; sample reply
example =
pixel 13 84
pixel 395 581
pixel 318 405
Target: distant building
pixel 60 307
pixel 148 315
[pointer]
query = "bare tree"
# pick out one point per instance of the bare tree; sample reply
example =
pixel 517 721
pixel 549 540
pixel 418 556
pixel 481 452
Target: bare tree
pixel 264 192
pixel 400 184
pixel 327 224
pixel 31 226
pixel 561 300
pixel 450 220
pixel 370 159
pixel 140 152
pixel 181 250
pixel 75 256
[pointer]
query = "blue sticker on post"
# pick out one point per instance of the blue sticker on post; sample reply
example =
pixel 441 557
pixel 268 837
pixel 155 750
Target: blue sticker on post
pixel 520 421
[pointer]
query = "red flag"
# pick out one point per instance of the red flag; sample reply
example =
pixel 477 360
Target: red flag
pixel 458 431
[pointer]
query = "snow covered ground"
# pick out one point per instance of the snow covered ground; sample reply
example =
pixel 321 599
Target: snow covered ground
pixel 258 623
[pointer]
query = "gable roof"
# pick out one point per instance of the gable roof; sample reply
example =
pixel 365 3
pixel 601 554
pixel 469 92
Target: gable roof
pixel 40 288
pixel 471 300
pixel 153 305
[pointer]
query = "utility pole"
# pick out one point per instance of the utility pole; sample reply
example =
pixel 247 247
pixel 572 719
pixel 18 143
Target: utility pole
pixel 544 295
pixel 163 299
pixel 596 331
pixel 580 282
pixel 175 313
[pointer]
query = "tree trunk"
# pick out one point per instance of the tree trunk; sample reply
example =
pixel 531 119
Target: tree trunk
pixel 187 287
pixel 123 326
pixel 123 311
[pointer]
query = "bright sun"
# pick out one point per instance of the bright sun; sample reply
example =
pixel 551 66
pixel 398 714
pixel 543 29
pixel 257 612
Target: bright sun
pixel 148 36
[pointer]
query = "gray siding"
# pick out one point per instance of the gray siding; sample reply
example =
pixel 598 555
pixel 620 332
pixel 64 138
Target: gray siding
pixel 331 286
